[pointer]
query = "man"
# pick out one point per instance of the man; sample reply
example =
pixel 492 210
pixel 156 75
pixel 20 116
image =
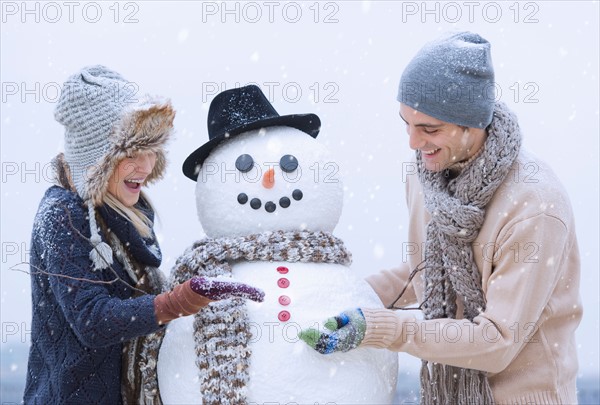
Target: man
pixel 498 278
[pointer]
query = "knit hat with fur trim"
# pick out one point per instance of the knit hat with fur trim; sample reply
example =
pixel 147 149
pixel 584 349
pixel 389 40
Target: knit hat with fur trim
pixel 104 122
pixel 452 79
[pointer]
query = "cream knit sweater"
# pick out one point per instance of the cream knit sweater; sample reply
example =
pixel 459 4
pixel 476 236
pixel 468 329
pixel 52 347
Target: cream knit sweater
pixel 527 254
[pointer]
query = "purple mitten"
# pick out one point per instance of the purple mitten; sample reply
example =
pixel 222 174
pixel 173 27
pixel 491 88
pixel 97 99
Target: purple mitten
pixel 218 290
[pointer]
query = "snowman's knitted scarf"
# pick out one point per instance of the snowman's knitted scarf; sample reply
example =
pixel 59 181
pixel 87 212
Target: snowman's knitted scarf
pixel 457 208
pixel 222 329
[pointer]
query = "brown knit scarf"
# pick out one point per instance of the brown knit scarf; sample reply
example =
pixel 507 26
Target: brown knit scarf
pixel 457 208
pixel 222 329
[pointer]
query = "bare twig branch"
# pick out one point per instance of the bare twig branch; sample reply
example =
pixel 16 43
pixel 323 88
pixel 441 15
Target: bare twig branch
pixel 410 277
pixel 118 278
pixel 420 267
pixel 112 270
pixel 39 271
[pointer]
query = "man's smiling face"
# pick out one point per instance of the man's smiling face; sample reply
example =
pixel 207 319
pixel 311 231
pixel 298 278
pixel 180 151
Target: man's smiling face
pixel 441 144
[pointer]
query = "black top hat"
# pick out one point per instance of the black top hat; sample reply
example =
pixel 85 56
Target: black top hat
pixel 240 110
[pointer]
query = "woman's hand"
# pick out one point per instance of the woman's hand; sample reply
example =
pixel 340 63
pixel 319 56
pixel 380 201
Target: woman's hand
pixel 221 289
pixel 191 296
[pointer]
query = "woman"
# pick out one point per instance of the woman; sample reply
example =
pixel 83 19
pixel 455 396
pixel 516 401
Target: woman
pixel 96 286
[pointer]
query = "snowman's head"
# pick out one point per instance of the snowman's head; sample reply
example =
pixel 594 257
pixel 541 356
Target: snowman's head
pixel 275 178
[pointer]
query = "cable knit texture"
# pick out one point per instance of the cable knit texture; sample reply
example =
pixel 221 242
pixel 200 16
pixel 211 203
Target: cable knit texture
pixel 81 317
pixel 457 209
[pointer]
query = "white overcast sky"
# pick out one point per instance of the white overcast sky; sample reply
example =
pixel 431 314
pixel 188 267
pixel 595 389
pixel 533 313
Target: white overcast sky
pixel 340 60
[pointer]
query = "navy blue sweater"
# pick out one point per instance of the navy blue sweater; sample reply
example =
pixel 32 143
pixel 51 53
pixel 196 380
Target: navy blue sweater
pixel 78 326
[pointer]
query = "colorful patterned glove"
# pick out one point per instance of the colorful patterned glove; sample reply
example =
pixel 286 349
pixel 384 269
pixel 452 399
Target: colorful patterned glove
pixel 347 330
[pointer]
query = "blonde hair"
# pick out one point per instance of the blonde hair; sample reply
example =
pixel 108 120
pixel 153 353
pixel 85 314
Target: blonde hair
pixel 138 219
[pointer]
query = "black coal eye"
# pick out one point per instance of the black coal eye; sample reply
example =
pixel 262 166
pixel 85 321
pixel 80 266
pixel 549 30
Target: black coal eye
pixel 288 163
pixel 244 163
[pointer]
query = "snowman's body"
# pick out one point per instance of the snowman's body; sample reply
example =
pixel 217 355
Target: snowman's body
pixel 282 368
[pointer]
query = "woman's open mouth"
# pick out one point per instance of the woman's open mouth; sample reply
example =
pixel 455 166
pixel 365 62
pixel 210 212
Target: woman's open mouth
pixel 134 185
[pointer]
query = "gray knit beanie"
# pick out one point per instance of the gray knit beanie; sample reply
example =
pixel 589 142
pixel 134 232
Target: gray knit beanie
pixel 452 79
pixel 90 105
pixel 106 121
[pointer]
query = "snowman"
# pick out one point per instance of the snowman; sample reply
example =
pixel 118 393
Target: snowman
pixel 268 198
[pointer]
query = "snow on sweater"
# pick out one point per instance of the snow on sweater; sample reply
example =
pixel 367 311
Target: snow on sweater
pixel 78 326
pixel 527 254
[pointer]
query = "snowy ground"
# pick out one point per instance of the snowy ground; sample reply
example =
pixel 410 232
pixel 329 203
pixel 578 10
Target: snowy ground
pixel 14 364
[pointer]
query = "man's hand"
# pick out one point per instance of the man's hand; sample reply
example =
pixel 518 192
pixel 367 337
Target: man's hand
pixel 347 330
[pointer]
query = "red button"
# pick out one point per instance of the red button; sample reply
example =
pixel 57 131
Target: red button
pixel 283 283
pixel 284 316
pixel 284 300
pixel 282 270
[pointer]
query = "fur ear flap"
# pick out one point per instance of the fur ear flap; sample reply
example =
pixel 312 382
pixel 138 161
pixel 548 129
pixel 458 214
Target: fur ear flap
pixel 145 126
pixel 62 174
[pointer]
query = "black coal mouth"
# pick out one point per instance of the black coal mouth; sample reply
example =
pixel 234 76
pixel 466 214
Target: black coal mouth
pixel 270 206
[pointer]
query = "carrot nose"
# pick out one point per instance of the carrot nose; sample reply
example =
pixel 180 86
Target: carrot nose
pixel 268 180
